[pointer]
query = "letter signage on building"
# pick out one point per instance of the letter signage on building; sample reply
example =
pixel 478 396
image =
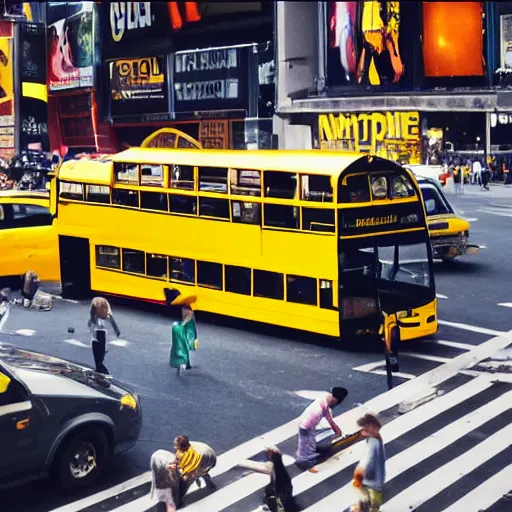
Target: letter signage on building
pixel 138 86
pixel 215 79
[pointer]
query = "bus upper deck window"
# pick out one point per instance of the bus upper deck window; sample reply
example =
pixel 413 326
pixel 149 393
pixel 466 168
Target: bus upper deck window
pixel 316 188
pixel 245 182
pixel 71 191
pixel 126 173
pixel 152 175
pixel 356 190
pixel 280 184
pixel 213 179
pixel 182 176
pixel 401 187
pixel 379 187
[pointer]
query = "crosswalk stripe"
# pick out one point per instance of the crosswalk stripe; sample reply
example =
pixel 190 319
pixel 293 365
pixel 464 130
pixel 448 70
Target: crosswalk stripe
pixel 426 357
pixel 473 328
pixel 448 474
pixel 486 494
pixel 429 446
pixel 453 344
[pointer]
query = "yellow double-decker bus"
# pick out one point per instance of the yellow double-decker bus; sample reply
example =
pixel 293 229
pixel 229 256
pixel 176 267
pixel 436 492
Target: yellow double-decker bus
pixel 316 241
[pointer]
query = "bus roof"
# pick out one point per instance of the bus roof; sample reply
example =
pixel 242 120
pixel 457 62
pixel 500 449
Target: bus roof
pixel 310 161
pixel 96 172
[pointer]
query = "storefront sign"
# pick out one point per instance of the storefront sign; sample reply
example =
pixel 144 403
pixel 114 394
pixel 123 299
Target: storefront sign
pixel 71 42
pixel 138 86
pixel 213 79
pixel 366 131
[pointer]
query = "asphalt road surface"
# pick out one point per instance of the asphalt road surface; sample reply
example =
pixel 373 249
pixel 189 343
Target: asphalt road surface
pixel 249 379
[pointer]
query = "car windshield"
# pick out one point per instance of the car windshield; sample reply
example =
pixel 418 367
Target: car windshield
pixel 435 202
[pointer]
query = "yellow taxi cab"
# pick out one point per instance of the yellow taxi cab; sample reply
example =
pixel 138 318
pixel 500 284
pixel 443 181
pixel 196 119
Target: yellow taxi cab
pixel 449 232
pixel 27 237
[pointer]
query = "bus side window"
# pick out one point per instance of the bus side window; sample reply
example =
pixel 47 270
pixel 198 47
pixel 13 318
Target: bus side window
pixel 124 197
pixel 108 257
pixel 280 184
pixel 182 269
pixel 182 176
pixel 210 207
pixel 98 194
pixel 246 213
pixel 156 265
pixel 71 191
pixel 154 201
pixel 245 183
pixel 301 290
pixel 3 220
pixel 29 216
pixel 183 204
pixel 268 284
pixel 134 261
pixel 316 188
pixel 356 190
pixel 238 280
pixel 152 175
pixel 318 219
pixel 213 179
pixel 126 173
pixel 281 216
pixel 209 274
pixel 326 294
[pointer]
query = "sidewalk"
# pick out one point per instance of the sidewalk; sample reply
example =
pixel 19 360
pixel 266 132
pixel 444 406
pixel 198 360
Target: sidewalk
pixel 496 190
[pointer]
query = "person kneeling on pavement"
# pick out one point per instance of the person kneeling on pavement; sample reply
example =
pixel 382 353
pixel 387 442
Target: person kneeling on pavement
pixel 307 448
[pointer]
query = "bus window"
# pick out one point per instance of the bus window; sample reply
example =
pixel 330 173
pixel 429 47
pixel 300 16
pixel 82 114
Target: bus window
pixel 126 173
pixel 2 217
pixel 133 261
pixel 156 265
pixel 183 270
pixel 245 183
pixel 182 176
pixel 401 187
pixel 379 187
pixel 209 274
pixel 316 188
pixel 356 190
pixel 281 216
pixel 318 219
pixel 209 207
pixel 280 184
pixel 98 194
pixel 29 216
pixel 152 175
pixel 108 256
pixel 268 284
pixel 238 280
pixel 301 290
pixel 125 197
pixel 183 204
pixel 71 191
pixel 154 201
pixel 326 297
pixel 246 213
pixel 213 179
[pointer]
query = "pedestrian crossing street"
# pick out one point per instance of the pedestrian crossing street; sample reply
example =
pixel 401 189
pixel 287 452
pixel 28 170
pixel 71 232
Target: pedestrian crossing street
pixel 451 453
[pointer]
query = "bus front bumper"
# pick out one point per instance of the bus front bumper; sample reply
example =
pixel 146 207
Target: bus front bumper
pixel 422 322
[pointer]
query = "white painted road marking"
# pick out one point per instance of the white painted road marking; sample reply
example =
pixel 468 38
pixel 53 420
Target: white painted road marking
pixel 25 332
pixel 505 304
pixel 440 296
pixel 453 344
pixel 473 328
pixel 119 343
pixel 77 343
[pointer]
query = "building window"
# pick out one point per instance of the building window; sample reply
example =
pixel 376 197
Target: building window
pixel 301 290
pixel 281 216
pixel 209 207
pixel 183 204
pixel 133 261
pixel 98 194
pixel 154 201
pixel 268 284
pixel 280 184
pixel 126 173
pixel 108 256
pixel 246 213
pixel 238 280
pixel 316 188
pixel 209 274
pixel 182 176
pixel 152 175
pixel 71 191
pixel 245 183
pixel 326 296
pixel 213 179
pixel 318 219
pixel 156 265
pixel 183 270
pixel 123 197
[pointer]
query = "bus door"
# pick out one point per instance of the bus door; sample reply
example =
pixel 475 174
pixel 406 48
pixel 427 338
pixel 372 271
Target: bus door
pixel 359 289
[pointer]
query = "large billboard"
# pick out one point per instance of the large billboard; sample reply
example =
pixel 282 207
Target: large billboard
pixel 71 45
pixel 7 141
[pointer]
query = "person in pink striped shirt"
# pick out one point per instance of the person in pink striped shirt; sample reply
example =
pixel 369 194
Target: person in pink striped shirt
pixel 307 450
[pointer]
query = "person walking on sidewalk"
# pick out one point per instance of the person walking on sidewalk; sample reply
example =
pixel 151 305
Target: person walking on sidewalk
pixel 307 449
pixel 370 473
pixel 100 313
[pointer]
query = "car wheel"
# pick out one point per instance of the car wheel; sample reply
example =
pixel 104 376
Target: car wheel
pixel 84 459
